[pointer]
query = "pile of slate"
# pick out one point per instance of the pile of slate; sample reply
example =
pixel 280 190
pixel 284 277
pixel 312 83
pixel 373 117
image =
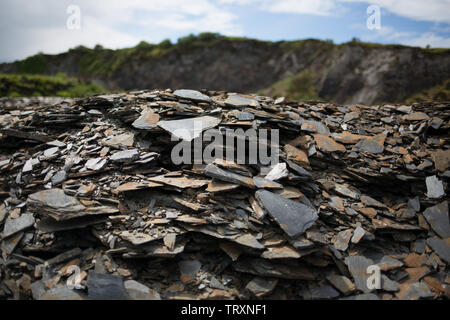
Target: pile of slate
pixel 93 207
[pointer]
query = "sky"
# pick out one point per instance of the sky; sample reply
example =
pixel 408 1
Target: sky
pixel 54 26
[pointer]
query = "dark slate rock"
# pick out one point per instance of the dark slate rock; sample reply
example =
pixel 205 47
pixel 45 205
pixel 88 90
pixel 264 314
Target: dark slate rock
pixel 59 177
pixel 437 217
pixel 441 247
pixel 324 292
pixel 239 101
pixel 370 145
pixel 388 285
pixel 364 296
pixel 299 170
pixel 266 183
pixel 293 217
pixel 217 173
pixel 105 287
pixel 189 129
pixel 246 116
pixel 357 265
pixel 12 226
pixel 189 267
pixel 192 95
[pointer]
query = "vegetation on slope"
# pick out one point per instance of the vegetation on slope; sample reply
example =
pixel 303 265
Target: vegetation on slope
pixel 301 87
pixel 21 85
pixel 106 64
pixel 439 93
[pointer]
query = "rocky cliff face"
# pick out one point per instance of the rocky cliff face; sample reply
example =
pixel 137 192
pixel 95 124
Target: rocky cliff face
pixel 309 69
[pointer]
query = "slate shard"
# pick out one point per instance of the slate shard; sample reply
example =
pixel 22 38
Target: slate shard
pixel 192 95
pixel 437 217
pixel 12 226
pixel 105 287
pixel 90 185
pixel 189 129
pixel 293 217
pixel 435 188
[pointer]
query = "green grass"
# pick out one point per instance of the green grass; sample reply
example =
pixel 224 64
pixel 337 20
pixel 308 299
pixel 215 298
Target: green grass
pixel 33 65
pixel 21 85
pixel 300 87
pixel 105 62
pixel 439 93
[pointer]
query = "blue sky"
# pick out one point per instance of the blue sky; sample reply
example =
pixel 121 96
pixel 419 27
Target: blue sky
pixel 28 27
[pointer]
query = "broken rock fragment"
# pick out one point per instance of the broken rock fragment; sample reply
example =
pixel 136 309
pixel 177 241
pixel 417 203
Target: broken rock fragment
pixel 293 217
pixel 12 226
pixel 437 217
pixel 192 95
pixel 327 144
pixel 189 129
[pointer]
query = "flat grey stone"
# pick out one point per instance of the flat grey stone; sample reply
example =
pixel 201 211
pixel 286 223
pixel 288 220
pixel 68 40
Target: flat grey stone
pixel 216 284
pixel 387 263
pixel 189 267
pixel 266 183
pixel 416 291
pixel 324 292
pixel 192 95
pixel 370 145
pixel 346 192
pixel 118 141
pixel 364 296
pixel 419 246
pixel 261 287
pixel 321 127
pixel 105 287
pixel 293 217
pixel 299 170
pixel 125 156
pixel 50 152
pixel 342 283
pixel 28 167
pixel 388 285
pixel 55 203
pixel 437 217
pixel 138 291
pixel 37 289
pixel 441 247
pixel 56 143
pixel 62 293
pixel 342 240
pixel 220 174
pixel 368 201
pixel 59 177
pixel 358 234
pixel 246 116
pixel 147 121
pixel 239 101
pixel 435 188
pixel 95 164
pixel 189 129
pixel 357 265
pixel 12 226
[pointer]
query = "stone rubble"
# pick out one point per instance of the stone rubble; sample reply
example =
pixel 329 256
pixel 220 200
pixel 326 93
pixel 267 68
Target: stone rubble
pixel 89 188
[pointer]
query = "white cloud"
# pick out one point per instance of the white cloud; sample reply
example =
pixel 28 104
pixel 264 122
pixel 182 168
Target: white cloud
pixel 27 27
pixel 422 10
pixel 426 39
pixel 319 7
